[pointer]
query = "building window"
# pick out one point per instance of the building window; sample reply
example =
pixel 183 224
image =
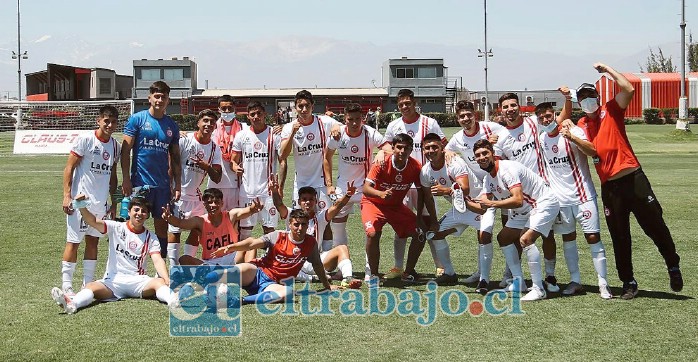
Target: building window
pixel 150 74
pixel 427 72
pixel 174 74
pixel 406 73
pixel 104 85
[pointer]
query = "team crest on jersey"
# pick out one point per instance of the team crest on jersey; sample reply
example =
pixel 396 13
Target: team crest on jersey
pixel 603 114
pixel 410 133
pixel 321 204
pixel 520 137
pixel 272 211
pixel 105 155
pixel 169 132
pixel 311 136
pixel 296 250
pixel 442 180
pixel 132 245
pixel 200 154
pixel 354 149
pixel 398 178
pixel 258 146
pixel 555 148
pixel 586 214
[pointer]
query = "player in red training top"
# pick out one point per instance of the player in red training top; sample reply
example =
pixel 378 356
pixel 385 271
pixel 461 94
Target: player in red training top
pixel 385 188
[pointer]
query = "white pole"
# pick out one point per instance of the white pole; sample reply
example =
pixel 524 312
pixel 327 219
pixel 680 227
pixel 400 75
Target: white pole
pixel 682 123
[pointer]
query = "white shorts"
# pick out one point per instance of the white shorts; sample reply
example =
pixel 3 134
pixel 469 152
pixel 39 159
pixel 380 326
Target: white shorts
pixel 76 228
pixel 349 207
pixel 231 198
pixel 184 210
pixel 586 214
pixel 269 216
pixel 308 267
pixel 127 286
pixel 542 217
pixel 411 201
pixel 227 259
pixel 459 221
pixel 517 218
pixel 323 202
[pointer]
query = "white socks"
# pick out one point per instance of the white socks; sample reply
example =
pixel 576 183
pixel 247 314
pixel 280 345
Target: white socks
pixel 339 233
pixel 443 254
pixel 245 233
pixel 550 266
pixel 173 254
pixel 598 256
pixel 190 250
pixel 533 255
pixel 84 298
pixel 511 255
pixel 399 246
pixel 164 294
pixel 67 270
pixel 569 249
pixel 346 268
pixel 485 254
pixel 437 261
pixel 88 271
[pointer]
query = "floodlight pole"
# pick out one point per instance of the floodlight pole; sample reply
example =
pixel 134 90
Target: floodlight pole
pixel 682 123
pixel 486 54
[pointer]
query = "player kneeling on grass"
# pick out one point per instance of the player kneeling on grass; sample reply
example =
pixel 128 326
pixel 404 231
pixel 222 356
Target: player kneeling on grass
pixel 332 257
pixel 216 229
pixel 287 252
pixel 125 276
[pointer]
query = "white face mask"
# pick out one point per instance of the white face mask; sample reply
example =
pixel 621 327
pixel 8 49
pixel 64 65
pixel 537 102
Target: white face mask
pixel 589 105
pixel 228 117
pixel 550 127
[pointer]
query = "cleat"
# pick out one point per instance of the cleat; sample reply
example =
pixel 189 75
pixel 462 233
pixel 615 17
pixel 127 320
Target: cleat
pixel 393 273
pixel 186 291
pixel 675 279
pixel 629 290
pixel 410 277
pixel 69 292
pixel 473 278
pixel 506 277
pixel 63 300
pixel 174 303
pixel 505 282
pixel 573 288
pixel 351 283
pixel 446 279
pixel 550 284
pixel 439 272
pixel 482 287
pixel 535 294
pixel 605 291
pixel 457 197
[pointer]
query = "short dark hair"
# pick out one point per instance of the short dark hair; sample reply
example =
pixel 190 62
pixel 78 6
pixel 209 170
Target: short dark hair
pixel 307 190
pixel 468 106
pixel 255 104
pixel 212 193
pixel 431 137
pixel 108 111
pixel 543 107
pixel 226 98
pixel 403 138
pixel 483 143
pixel 352 108
pixel 207 113
pixel 298 214
pixel 159 87
pixel 139 201
pixel 508 96
pixel 304 94
pixel 405 93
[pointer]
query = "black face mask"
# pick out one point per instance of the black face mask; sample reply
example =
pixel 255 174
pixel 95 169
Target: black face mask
pixel 488 168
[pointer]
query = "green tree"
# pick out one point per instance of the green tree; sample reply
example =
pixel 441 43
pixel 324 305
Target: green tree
pixel 658 63
pixel 692 54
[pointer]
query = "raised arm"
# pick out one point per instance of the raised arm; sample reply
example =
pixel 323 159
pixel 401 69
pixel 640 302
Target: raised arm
pixel 192 223
pixel 277 198
pixel 243 212
pixel 626 88
pixel 337 207
pixel 566 112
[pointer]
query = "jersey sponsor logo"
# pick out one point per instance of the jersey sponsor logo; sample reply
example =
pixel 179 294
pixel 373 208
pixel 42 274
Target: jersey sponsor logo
pixel 353 159
pixel 127 253
pixel 258 146
pixel 309 148
pixel 154 143
pixel 295 260
pixel 555 148
pixel 524 148
pixel 395 187
pixel 558 160
pixel 398 178
pixel 311 136
pixel 586 214
pixel 215 243
pixel 97 167
pixel 354 148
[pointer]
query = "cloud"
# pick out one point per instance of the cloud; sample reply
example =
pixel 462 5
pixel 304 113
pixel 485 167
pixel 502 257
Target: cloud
pixel 42 39
pixel 135 44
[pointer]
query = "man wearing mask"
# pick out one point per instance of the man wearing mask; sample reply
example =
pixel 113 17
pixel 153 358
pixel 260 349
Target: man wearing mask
pixel 224 134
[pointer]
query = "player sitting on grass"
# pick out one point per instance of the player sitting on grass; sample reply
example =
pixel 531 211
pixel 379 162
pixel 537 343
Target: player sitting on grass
pixel 332 257
pixel 216 229
pixel 125 276
pixel 287 251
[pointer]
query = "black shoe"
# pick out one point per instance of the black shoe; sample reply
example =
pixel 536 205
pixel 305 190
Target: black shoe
pixel 446 279
pixel 482 287
pixel 629 290
pixel 550 284
pixel 675 279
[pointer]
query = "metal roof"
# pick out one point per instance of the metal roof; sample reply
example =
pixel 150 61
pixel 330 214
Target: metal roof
pixel 291 92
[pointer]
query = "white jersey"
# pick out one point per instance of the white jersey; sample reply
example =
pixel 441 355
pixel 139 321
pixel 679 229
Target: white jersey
pixel 523 146
pixel 417 130
pixel 355 154
pixel 568 170
pixel 97 162
pixel 193 175
pixel 128 251
pixel 229 180
pixel 462 143
pixel 309 150
pixel 445 176
pixel 259 158
pixel 511 174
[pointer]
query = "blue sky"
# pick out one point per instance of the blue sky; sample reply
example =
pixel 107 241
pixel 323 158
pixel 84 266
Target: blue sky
pixel 612 29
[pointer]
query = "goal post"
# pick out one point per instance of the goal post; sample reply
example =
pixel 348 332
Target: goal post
pixel 51 127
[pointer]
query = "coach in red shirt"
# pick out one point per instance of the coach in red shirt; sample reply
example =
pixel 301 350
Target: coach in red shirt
pixel 624 187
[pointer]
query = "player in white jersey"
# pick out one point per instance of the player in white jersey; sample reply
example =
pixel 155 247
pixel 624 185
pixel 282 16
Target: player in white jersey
pixel 332 257
pixel 256 151
pixel 462 144
pixel 355 149
pixel 199 157
pixel 565 151
pixel 511 185
pixel 306 137
pixel 450 180
pixel 224 134
pixel 130 243
pixel 91 170
pixel 416 126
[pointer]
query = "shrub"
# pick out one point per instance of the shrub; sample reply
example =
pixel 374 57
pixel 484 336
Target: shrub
pixel 185 122
pixel 670 115
pixel 577 114
pixel 692 115
pixel 651 116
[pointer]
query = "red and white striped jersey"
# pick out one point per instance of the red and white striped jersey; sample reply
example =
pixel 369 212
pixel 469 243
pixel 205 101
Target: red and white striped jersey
pixel 523 146
pixel 355 155
pixel 510 174
pixel 128 250
pixel 259 158
pixel 462 143
pixel 193 175
pixel 417 130
pixel 568 170
pixel 309 144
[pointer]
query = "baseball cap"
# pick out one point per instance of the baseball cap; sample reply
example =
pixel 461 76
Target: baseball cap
pixel 586 87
